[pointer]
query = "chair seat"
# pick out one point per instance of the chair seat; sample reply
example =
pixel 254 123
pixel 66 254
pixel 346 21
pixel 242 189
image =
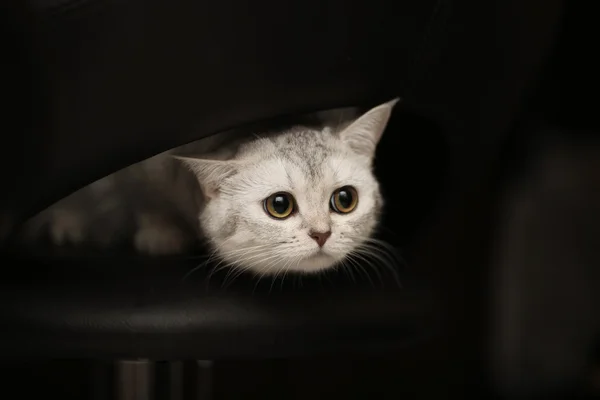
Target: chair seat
pixel 127 308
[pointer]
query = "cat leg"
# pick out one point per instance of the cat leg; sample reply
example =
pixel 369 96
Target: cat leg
pixel 159 235
pixel 67 227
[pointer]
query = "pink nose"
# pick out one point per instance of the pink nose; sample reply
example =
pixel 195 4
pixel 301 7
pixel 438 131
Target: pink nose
pixel 320 237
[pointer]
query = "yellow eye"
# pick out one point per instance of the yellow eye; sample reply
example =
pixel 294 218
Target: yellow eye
pixel 344 200
pixel 279 205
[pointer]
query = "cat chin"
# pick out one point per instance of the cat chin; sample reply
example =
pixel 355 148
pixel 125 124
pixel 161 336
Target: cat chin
pixel 316 263
pixel 313 264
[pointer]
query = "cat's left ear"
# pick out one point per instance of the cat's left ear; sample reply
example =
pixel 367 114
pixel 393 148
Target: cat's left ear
pixel 210 173
pixel 365 132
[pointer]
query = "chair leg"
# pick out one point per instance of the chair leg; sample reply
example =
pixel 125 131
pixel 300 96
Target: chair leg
pixel 176 380
pixel 101 384
pixel 204 379
pixel 135 380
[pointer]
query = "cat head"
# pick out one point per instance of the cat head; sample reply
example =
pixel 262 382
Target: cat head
pixel 301 200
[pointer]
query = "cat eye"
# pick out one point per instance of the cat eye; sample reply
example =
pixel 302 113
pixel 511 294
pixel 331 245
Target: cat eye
pixel 279 205
pixel 344 200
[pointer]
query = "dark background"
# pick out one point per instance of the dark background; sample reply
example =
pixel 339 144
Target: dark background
pixel 452 250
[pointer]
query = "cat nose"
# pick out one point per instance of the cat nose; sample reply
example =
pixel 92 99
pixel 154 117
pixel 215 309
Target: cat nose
pixel 320 237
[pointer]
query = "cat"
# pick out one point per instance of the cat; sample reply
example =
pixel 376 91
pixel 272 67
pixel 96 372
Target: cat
pixel 299 199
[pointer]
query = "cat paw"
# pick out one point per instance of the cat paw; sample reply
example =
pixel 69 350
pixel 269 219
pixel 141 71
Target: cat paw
pixel 67 228
pixel 160 239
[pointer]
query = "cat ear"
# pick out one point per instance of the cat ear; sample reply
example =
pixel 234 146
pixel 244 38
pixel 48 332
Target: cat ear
pixel 364 133
pixel 210 173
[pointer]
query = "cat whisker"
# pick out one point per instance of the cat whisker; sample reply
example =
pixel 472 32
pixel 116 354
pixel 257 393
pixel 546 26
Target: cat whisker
pixel 359 267
pixel 285 272
pixel 284 269
pixel 233 272
pixel 240 254
pixel 377 253
pixel 381 258
pixel 299 258
pixel 348 269
pixel 381 228
pixel 210 257
pixel 265 269
pixel 272 259
pixel 362 256
pixel 274 277
pixel 374 253
pixel 294 259
pixel 236 271
pixel 236 251
pixel 200 266
pixel 389 248
pixel 246 260
pixel 381 246
pixel 196 268
pixel 249 257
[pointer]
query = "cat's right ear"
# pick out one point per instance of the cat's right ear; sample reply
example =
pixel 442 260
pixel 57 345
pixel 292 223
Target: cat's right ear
pixel 363 135
pixel 210 173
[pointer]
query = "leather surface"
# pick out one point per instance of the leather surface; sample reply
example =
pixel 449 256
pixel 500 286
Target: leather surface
pixel 86 307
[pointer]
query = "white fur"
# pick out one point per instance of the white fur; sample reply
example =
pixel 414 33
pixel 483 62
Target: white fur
pixel 157 203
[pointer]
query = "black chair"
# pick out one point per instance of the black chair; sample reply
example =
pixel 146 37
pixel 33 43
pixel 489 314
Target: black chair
pixel 97 85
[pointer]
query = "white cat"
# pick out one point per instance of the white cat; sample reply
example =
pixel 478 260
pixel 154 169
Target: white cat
pixel 301 199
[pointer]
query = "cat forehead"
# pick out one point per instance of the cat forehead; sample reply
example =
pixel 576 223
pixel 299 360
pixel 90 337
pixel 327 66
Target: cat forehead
pixel 304 147
pixel 294 138
pixel 300 174
pixel 298 160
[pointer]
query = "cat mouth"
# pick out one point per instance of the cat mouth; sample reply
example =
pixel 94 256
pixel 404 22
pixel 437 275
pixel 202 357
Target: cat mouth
pixel 320 254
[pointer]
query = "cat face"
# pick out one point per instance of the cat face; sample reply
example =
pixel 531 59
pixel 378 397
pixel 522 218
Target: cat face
pixel 301 200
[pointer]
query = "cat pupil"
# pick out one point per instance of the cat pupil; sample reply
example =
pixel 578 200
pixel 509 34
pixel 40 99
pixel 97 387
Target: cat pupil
pixel 345 198
pixel 281 204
